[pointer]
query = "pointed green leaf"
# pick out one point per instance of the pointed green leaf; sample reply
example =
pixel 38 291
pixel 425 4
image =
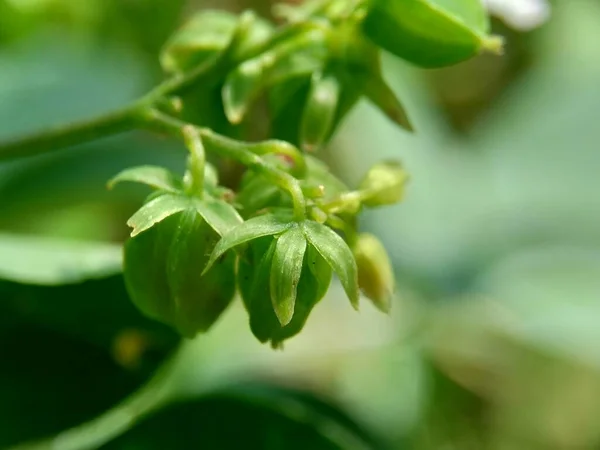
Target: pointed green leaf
pixel 156 210
pixel 221 216
pixel 285 273
pixel 254 228
pixel 154 176
pixel 49 261
pixel 319 112
pixel 338 255
pixel 384 98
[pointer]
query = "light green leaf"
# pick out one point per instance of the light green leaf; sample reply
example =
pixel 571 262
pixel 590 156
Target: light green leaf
pixel 338 255
pixel 48 261
pixel 153 176
pixel 319 112
pixel 156 210
pixel 285 273
pixel 254 228
pixel 221 216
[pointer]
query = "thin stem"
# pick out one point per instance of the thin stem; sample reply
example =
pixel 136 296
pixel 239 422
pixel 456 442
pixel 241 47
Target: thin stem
pixel 92 435
pixel 238 151
pixel 235 150
pixel 68 135
pixel 196 160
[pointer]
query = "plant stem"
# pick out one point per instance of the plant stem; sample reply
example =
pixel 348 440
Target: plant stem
pixel 114 422
pixel 238 151
pixel 196 159
pixel 60 137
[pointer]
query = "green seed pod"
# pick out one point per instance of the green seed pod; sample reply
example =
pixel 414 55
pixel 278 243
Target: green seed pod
pixel 163 267
pixel 383 184
pixel 430 33
pixel 205 35
pixel 254 281
pixel 375 274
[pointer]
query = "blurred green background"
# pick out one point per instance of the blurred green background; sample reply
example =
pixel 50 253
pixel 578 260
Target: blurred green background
pixel 494 339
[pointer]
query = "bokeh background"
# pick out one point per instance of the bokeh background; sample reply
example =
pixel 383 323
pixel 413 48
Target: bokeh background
pixel 494 338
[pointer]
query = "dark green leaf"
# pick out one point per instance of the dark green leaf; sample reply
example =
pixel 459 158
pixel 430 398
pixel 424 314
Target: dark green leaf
pixel 285 273
pixel 154 176
pixel 255 228
pixel 47 261
pixel 337 254
pixel 156 210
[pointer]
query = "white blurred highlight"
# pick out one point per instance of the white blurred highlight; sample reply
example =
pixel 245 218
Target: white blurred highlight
pixel 523 15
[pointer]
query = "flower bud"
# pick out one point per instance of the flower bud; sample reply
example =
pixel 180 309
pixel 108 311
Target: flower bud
pixel 383 184
pixel 375 273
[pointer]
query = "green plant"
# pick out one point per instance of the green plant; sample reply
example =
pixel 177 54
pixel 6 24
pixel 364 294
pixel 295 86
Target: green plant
pixel 287 225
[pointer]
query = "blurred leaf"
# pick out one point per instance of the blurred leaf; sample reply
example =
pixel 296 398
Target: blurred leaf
pixel 153 176
pixel 78 382
pixel 265 418
pixel 47 261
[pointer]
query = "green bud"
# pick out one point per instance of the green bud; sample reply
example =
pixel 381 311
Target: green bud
pixel 430 33
pixel 163 273
pixel 383 184
pixel 375 274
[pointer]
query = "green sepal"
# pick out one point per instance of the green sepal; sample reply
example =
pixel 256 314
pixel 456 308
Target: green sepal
pixel 257 227
pixel 220 215
pixel 285 273
pixel 338 255
pixel 157 210
pixel 381 95
pixel 254 272
pixel 153 176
